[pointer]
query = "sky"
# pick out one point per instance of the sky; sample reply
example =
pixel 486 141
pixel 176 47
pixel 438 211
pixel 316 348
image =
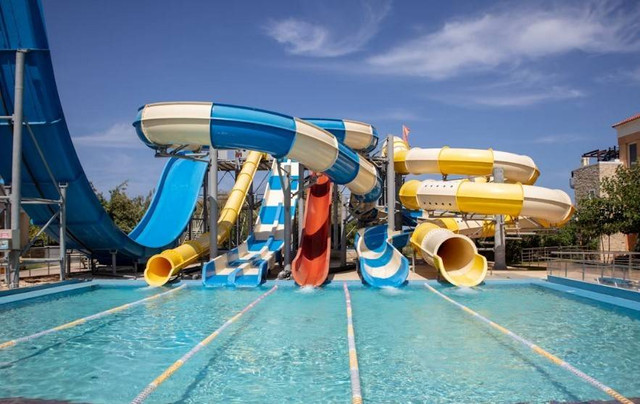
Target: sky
pixel 542 78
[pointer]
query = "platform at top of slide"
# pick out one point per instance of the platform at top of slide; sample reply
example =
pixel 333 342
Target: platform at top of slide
pixel 89 227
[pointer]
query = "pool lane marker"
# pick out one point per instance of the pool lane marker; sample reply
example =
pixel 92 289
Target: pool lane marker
pixel 356 392
pixel 85 319
pixel 595 383
pixel 144 394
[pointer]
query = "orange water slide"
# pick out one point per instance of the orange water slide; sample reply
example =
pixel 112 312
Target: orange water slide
pixel 311 265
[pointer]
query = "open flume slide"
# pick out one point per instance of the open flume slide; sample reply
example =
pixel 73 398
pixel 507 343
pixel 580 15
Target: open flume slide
pixel 310 267
pixel 247 265
pixel 380 261
pixel 162 267
pixel 89 227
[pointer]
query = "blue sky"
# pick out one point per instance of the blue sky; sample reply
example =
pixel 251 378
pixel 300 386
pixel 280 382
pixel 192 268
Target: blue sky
pixel 542 78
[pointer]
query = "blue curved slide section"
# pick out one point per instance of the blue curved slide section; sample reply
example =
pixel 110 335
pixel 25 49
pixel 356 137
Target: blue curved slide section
pixel 381 263
pixel 89 228
pixel 282 136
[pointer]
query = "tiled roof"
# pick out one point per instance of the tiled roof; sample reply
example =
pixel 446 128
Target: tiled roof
pixel 631 118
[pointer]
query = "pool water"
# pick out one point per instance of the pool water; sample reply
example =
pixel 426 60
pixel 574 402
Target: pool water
pixel 413 346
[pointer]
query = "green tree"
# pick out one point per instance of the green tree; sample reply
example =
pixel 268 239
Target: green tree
pixel 622 192
pixel 125 211
pixel 597 217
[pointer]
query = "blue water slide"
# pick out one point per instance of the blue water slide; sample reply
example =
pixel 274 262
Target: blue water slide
pixel 380 261
pixel 89 227
pixel 227 126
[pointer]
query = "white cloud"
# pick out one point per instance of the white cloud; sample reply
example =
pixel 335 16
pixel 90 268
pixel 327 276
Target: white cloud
pixel 625 76
pixel 119 135
pixel 558 139
pixel 399 115
pixel 509 97
pixel 522 99
pixel 507 38
pixel 305 38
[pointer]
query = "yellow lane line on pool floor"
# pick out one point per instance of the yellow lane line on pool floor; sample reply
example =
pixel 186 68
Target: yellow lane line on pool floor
pixel 144 394
pixel 85 319
pixel 356 392
pixel 595 383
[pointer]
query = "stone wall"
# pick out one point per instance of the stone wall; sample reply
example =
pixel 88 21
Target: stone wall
pixel 587 182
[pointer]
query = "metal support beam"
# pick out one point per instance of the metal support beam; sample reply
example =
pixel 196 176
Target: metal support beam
pixel 499 249
pixel 63 230
pixel 212 197
pixel 16 171
pixel 391 187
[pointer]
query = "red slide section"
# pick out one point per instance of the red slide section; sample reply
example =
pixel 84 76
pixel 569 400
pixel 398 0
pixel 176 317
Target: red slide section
pixel 311 265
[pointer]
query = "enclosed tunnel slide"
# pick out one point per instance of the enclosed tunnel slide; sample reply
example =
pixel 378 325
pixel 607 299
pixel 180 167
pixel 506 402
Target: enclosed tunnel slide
pixel 247 265
pixel 89 227
pixel 454 254
pixel 310 267
pixel 162 267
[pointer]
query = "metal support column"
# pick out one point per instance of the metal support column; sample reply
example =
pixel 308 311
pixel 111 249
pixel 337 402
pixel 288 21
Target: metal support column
pixel 391 187
pixel 335 205
pixel 285 180
pixel 114 267
pixel 499 248
pixel 343 236
pixel 63 230
pixel 213 203
pixel 16 172
pixel 238 224
pixel 252 206
pixel 205 203
pixel 287 220
pixel 301 205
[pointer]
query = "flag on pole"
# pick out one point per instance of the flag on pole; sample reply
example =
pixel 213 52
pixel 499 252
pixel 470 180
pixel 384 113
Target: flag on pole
pixel 405 134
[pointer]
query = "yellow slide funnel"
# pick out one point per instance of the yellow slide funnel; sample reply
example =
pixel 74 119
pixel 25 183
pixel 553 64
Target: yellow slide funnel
pixel 455 256
pixel 162 267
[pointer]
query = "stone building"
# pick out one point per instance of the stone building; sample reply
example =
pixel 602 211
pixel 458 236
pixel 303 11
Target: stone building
pixel 599 164
pixel 586 182
pixel 628 139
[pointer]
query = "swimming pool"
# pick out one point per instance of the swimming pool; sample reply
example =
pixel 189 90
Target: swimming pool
pixel 413 346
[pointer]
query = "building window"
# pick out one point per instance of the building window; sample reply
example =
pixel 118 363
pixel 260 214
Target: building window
pixel 633 153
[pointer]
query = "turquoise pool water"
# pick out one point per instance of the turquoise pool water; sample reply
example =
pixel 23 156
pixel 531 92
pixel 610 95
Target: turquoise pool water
pixel 412 346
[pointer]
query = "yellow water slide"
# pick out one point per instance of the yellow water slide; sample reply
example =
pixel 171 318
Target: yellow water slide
pixel 454 161
pixel 444 242
pixel 162 267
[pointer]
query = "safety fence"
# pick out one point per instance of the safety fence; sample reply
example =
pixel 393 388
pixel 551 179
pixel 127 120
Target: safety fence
pixel 616 268
pixel 539 256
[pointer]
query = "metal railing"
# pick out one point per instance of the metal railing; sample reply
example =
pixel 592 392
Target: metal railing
pixel 616 268
pixel 43 261
pixel 539 256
